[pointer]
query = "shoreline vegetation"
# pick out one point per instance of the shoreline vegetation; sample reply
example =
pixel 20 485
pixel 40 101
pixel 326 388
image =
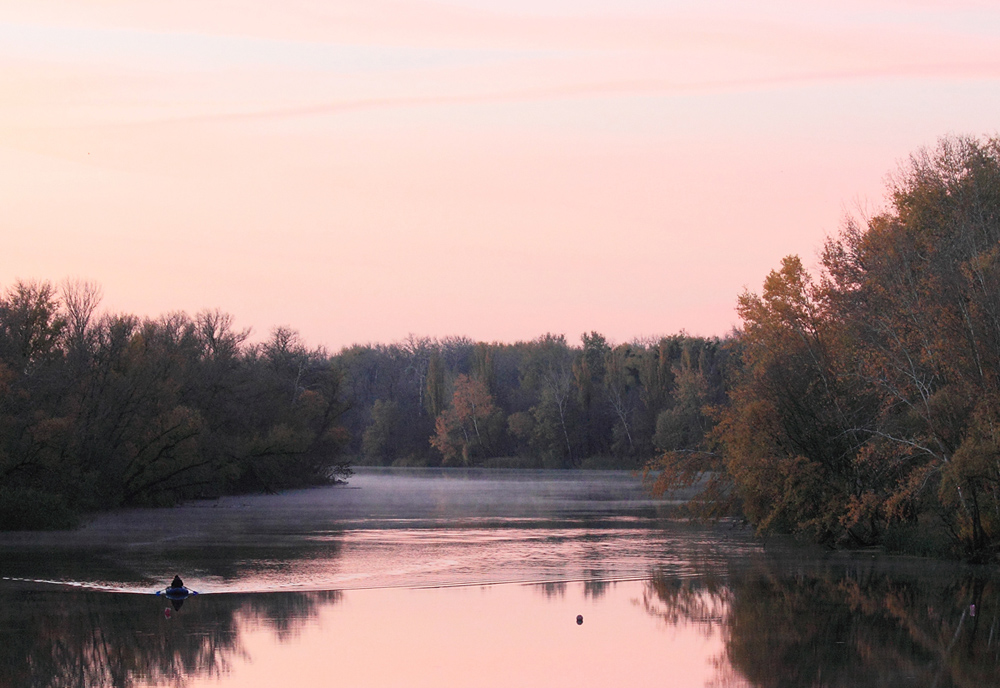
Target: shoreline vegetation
pixel 858 407
pixel 104 412
pixel 863 406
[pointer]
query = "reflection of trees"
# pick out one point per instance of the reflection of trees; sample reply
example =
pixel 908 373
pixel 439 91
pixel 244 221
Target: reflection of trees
pixel 99 639
pixel 551 590
pixel 594 586
pixel 703 602
pixel 842 626
pixel 285 614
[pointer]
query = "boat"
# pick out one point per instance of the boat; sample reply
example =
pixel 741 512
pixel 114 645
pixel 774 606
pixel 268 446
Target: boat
pixel 181 593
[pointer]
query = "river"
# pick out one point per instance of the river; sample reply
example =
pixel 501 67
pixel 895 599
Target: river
pixel 423 577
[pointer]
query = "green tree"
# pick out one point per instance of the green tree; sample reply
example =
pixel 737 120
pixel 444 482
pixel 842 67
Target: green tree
pixel 379 443
pixel 548 368
pixel 621 383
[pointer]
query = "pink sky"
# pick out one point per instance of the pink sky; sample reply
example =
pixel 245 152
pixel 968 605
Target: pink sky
pixel 367 169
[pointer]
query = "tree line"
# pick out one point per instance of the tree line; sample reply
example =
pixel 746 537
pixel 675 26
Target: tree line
pixel 539 404
pixel 116 410
pixel 859 406
pixel 864 405
pixel 113 410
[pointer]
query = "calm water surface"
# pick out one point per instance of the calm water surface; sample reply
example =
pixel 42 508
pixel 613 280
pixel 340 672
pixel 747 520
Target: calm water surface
pixel 470 578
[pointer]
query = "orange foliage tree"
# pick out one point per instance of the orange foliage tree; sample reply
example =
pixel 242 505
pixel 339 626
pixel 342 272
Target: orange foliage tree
pixel 867 403
pixel 468 427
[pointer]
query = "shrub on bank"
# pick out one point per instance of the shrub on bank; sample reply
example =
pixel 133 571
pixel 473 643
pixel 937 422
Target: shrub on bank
pixel 26 509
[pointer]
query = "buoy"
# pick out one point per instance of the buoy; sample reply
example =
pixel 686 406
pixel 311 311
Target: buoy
pixel 579 619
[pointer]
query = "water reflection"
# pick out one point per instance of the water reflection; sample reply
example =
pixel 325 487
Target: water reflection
pixel 551 590
pixel 595 585
pixel 702 603
pixel 764 623
pixel 851 624
pixel 86 639
pixel 422 558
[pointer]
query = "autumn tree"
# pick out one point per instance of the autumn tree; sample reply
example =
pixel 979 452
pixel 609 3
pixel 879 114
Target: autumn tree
pixel 864 403
pixel 468 427
pixel 919 288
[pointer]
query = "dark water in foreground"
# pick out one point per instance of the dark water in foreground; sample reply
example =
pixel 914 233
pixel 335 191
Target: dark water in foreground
pixel 464 578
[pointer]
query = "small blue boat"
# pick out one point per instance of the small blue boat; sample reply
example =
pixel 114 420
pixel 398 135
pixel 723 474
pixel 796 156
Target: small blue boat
pixel 181 593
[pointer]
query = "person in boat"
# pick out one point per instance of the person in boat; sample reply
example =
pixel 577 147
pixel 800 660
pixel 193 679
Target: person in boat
pixel 176 585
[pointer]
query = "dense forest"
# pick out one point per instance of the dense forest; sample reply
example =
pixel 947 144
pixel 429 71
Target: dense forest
pixel 110 411
pixel 865 405
pixel 114 410
pixel 537 404
pixel 859 406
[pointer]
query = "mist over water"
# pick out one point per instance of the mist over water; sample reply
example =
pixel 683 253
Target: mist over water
pixel 386 528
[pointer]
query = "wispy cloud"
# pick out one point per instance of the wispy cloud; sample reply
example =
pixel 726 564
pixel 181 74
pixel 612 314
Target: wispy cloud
pixel 310 57
pixel 624 88
pixel 654 144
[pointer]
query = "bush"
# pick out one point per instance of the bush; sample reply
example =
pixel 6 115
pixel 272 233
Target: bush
pixel 26 509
